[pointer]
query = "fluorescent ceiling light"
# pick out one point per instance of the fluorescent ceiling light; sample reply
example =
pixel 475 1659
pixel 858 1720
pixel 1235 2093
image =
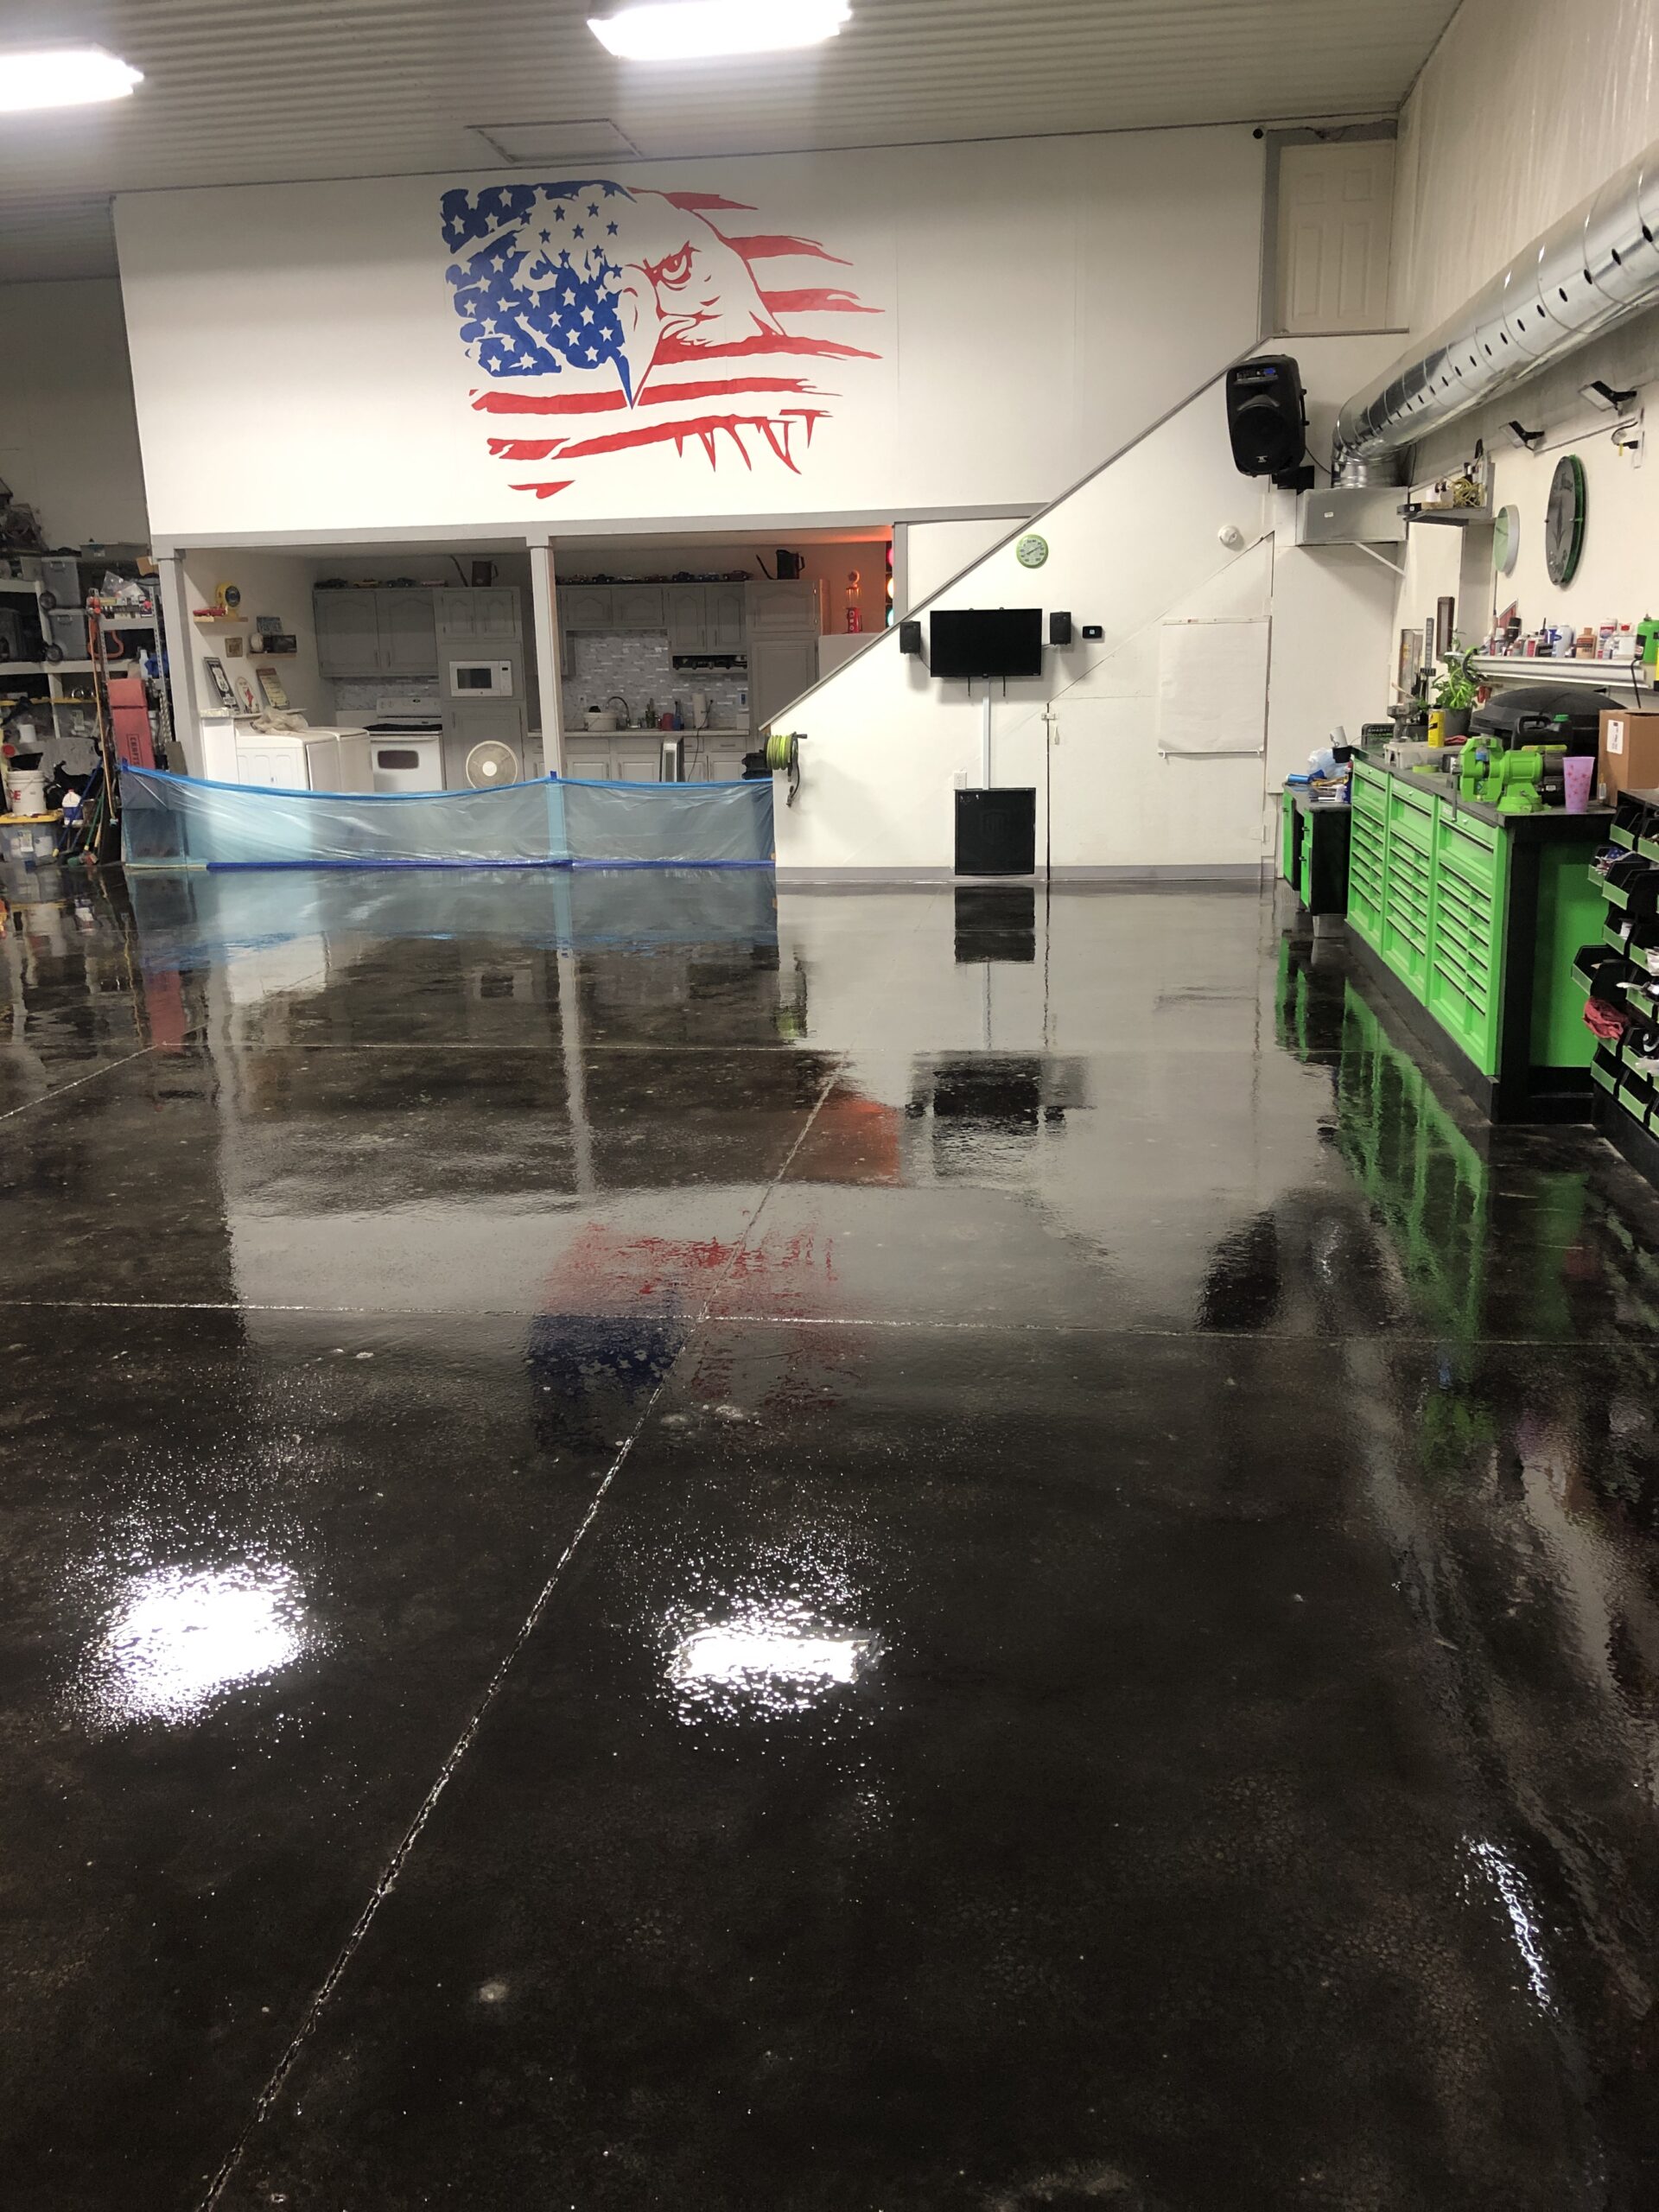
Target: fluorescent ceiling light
pixel 63 76
pixel 697 30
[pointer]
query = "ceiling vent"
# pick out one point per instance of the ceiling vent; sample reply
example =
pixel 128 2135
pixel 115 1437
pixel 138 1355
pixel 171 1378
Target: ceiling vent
pixel 519 144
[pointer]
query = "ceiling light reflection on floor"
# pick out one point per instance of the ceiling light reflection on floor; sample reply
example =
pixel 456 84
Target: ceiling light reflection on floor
pixel 769 1663
pixel 179 1637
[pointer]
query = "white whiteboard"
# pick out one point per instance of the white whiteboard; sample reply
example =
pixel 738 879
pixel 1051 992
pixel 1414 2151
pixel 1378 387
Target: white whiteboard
pixel 1212 688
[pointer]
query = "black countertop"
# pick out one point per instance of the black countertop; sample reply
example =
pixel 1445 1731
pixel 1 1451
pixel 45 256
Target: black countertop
pixel 1553 822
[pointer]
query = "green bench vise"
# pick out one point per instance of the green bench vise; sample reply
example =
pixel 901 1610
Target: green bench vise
pixel 1509 781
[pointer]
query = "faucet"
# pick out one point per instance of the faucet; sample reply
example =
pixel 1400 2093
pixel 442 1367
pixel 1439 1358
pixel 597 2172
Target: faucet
pixel 617 700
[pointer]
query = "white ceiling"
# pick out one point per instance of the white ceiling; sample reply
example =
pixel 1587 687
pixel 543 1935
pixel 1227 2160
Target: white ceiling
pixel 260 91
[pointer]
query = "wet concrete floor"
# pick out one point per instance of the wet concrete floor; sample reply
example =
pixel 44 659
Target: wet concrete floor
pixel 864 1552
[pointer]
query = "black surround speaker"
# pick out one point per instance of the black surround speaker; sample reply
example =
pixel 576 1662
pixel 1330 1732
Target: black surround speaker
pixel 910 637
pixel 1266 416
pixel 1059 629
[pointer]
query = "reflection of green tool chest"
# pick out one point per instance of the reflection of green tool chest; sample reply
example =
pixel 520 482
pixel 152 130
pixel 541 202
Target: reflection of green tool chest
pixel 1476 916
pixel 1314 852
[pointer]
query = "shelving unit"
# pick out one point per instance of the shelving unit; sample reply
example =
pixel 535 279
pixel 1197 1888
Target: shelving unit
pixel 1626 1104
pixel 1608 675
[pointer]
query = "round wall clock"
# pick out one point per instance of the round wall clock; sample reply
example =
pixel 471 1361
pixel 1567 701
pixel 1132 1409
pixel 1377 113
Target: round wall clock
pixel 1032 552
pixel 1506 540
pixel 1564 521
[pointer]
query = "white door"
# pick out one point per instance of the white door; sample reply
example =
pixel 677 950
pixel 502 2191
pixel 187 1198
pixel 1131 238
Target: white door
pixel 1336 213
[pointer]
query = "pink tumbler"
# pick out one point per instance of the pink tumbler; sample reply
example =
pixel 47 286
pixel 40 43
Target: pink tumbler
pixel 1578 773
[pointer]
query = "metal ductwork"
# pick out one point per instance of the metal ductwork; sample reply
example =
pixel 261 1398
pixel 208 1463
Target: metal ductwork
pixel 1594 269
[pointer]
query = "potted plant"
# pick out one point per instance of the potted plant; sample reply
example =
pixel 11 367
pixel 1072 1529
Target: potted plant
pixel 1455 694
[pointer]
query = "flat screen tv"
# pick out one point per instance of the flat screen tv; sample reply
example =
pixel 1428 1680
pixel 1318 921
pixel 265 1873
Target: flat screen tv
pixel 986 641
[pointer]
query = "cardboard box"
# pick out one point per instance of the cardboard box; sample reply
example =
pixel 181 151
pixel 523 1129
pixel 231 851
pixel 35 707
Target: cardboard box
pixel 1628 760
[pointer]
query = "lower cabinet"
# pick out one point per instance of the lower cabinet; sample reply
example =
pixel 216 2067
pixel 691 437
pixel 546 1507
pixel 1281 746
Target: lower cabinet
pixel 780 669
pixel 634 756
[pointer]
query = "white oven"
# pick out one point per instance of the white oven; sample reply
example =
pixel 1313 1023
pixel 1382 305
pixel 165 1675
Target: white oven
pixel 480 679
pixel 406 763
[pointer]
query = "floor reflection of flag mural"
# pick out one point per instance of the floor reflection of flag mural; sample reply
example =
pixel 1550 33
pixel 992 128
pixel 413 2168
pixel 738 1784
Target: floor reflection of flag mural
pixel 612 321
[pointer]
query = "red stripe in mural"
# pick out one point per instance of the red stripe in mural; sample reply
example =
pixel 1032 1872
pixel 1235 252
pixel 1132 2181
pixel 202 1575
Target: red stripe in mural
pixel 676 350
pixel 774 429
pixel 545 491
pixel 691 202
pixel 575 403
pixel 607 402
pixel 769 244
pixel 816 303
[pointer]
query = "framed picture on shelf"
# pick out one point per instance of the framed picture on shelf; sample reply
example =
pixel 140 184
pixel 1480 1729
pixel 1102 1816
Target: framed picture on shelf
pixel 219 680
pixel 1411 660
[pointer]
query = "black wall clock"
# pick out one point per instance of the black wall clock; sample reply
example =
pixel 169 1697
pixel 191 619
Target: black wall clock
pixel 1564 521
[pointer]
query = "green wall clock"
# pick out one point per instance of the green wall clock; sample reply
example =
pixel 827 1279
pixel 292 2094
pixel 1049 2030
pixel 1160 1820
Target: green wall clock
pixel 1032 552
pixel 1564 520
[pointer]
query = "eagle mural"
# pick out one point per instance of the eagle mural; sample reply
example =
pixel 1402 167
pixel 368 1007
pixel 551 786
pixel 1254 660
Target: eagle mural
pixel 589 300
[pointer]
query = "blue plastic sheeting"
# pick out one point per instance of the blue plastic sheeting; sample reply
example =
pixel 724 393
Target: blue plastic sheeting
pixel 190 919
pixel 180 822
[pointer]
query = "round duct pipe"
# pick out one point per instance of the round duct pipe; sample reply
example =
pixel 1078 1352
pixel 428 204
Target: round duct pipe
pixel 1596 267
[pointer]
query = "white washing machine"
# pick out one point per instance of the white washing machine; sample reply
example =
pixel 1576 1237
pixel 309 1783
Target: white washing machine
pixel 405 762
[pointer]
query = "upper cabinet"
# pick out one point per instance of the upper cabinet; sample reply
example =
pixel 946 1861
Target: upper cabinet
pixel 788 610
pixel 697 618
pixel 371 631
pixel 407 632
pixel 637 607
pixel 491 612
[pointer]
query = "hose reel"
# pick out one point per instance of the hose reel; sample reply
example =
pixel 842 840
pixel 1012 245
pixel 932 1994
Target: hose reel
pixel 783 757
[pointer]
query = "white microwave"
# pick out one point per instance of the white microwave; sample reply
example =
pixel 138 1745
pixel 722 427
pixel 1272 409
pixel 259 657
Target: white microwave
pixel 480 679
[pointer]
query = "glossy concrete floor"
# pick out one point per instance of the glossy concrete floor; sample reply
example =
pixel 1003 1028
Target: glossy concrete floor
pixel 873 1552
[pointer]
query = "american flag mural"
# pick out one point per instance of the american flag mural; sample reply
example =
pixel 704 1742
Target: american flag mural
pixel 610 319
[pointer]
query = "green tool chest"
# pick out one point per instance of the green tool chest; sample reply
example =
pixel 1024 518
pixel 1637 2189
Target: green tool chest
pixel 1474 917
pixel 1314 852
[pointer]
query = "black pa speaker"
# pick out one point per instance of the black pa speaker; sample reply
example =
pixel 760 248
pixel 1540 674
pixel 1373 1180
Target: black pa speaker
pixel 910 637
pixel 1059 629
pixel 1267 418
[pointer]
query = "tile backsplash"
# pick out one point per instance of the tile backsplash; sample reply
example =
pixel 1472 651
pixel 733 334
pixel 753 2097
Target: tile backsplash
pixel 639 667
pixel 373 694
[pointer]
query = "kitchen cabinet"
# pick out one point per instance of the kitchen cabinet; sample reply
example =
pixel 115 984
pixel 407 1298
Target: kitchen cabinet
pixel 409 636
pixel 725 623
pixel 348 632
pixel 633 756
pixel 586 607
pixel 375 632
pixel 686 607
pixel 783 610
pixel 780 669
pixel 636 607
pixel 490 613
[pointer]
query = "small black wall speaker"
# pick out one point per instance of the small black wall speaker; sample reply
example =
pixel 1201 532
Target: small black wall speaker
pixel 1059 629
pixel 1267 418
pixel 910 637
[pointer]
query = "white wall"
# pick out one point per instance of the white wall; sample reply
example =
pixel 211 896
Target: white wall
pixel 887 746
pixel 937 551
pixel 1522 109
pixel 1040 301
pixel 1518 115
pixel 68 436
pixel 271 583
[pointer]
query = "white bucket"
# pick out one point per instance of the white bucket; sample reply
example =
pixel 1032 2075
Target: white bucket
pixel 26 790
